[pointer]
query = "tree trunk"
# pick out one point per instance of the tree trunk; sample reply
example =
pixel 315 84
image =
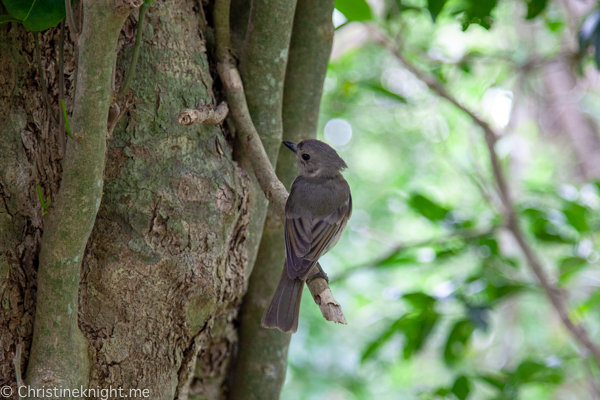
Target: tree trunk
pixel 164 267
pixel 141 290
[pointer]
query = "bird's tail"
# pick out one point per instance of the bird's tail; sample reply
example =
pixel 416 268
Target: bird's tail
pixel 284 308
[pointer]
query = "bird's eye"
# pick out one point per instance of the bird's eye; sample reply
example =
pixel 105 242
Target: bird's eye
pixel 306 157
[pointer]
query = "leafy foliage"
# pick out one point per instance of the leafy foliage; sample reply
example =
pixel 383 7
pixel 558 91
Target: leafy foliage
pixel 35 15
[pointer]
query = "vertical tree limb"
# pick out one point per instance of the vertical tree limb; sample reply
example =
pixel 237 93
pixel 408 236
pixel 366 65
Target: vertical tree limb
pixel 136 53
pixel 578 332
pixel 263 66
pixel 59 352
pixel 263 350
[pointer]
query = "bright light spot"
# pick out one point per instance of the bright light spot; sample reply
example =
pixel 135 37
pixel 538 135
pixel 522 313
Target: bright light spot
pixel 498 103
pixel 556 216
pixel 338 18
pixel 589 196
pixel 584 248
pixel 425 255
pixel 443 289
pixel 338 131
pixel 451 41
pixel 568 192
pixel 392 293
pixel 476 286
pixel 553 361
pixel 434 128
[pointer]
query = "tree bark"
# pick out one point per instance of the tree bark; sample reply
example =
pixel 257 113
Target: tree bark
pixel 164 268
pixel 152 296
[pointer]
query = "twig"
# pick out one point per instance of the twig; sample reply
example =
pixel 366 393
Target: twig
pixel 38 55
pixel 578 332
pixel 465 235
pixel 136 53
pixel 205 113
pixel 273 189
pixel 114 119
pixel 17 364
pixel 72 26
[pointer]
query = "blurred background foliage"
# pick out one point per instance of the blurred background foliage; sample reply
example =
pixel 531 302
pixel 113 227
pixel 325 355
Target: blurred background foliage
pixel 440 301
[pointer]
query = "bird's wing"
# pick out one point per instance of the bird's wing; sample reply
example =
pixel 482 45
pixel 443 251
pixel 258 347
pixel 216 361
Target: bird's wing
pixel 307 239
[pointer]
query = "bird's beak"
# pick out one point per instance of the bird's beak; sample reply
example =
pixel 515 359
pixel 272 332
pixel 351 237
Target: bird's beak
pixel 291 146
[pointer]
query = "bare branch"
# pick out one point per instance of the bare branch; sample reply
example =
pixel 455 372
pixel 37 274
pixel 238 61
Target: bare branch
pixel 204 114
pixel 577 331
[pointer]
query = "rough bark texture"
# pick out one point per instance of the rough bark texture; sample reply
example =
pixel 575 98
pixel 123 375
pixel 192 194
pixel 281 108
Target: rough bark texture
pixel 261 364
pixel 164 268
pixel 166 261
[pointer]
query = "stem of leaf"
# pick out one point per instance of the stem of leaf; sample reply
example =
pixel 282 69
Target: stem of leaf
pixel 136 53
pixel 42 78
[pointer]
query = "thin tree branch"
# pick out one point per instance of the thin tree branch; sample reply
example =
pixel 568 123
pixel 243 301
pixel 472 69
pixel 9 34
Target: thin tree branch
pixel 273 189
pixel 577 331
pixel 73 28
pixel 38 55
pixel 136 53
pixel 204 114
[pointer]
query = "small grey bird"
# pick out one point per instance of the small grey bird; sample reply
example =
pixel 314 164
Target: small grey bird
pixel 316 213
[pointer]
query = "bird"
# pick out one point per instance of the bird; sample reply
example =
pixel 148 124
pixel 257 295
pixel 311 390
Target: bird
pixel 316 213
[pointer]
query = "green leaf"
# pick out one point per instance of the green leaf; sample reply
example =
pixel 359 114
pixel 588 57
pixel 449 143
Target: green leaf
pixel 457 339
pixel 575 214
pixel 354 10
pixel 435 7
pixel 569 266
pixel 535 7
pixel 498 382
pixel 416 330
pixel 419 300
pixel 382 339
pixel 7 18
pixel 461 387
pixel 478 12
pixel 36 15
pixel 416 326
pixel 428 208
pixel 531 371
